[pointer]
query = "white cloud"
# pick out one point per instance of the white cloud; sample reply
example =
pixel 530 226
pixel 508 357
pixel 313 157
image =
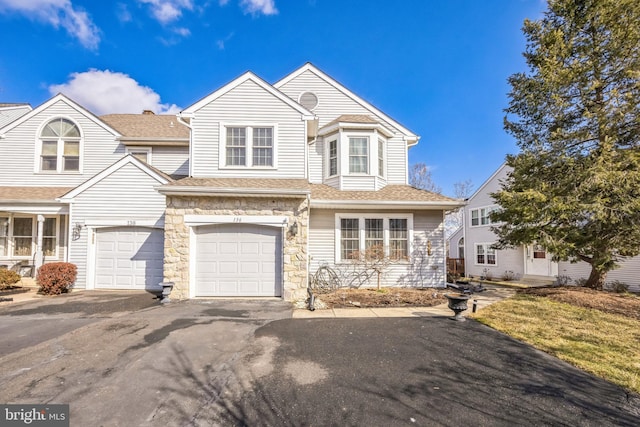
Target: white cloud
pixel 59 13
pixel 266 7
pixel 221 42
pixel 181 31
pixel 106 92
pixel 123 14
pixel 166 11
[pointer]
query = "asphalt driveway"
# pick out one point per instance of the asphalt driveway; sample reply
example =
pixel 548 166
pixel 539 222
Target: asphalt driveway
pixel 235 362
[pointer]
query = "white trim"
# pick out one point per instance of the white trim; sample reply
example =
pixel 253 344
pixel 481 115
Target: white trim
pixel 488 209
pixel 484 184
pixel 70 103
pixel 111 222
pixel 248 76
pixel 193 261
pixel 410 137
pixel 249 127
pixel 36 209
pixel 361 234
pixel 268 220
pixel 108 171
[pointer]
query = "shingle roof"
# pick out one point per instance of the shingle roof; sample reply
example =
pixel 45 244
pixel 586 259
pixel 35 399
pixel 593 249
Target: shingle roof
pixel 148 126
pixel 353 118
pixel 389 193
pixel 42 194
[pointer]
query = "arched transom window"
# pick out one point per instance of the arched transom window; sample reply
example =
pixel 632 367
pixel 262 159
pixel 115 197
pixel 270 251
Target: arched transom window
pixel 60 150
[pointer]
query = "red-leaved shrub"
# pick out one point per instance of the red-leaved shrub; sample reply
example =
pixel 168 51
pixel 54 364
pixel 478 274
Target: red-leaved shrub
pixel 56 278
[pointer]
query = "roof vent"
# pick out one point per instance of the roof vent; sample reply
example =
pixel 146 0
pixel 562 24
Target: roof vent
pixel 309 100
pixel 148 112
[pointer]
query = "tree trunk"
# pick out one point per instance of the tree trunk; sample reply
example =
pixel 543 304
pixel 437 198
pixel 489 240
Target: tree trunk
pixel 596 279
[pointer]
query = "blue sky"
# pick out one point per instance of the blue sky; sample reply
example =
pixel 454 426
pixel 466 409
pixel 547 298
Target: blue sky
pixel 439 67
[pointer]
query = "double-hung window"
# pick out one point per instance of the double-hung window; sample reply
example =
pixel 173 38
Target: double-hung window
pixel 485 254
pixel 359 155
pixel 388 235
pixel 380 158
pixel 22 236
pixel 249 146
pixel 481 216
pixel 333 157
pixel 60 147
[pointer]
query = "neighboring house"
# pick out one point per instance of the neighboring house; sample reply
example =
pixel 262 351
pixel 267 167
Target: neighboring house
pixel 277 180
pixel 527 261
pixel 69 191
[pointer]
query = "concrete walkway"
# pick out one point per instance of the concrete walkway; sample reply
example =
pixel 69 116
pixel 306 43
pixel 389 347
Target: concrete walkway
pixel 492 294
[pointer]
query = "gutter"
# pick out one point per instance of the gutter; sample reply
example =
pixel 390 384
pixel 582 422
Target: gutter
pixel 357 204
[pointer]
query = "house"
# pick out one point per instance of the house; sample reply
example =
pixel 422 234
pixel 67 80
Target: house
pixel 246 192
pixel 527 261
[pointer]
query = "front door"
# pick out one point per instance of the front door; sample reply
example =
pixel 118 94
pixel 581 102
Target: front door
pixel 538 262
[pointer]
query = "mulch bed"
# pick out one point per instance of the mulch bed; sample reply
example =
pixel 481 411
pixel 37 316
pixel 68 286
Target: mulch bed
pixel 386 297
pixel 608 302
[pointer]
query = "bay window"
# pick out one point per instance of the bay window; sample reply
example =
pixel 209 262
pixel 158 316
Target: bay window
pixel 333 157
pixel 358 155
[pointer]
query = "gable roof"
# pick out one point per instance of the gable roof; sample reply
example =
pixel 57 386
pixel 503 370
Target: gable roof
pixel 148 127
pixel 154 173
pixel 484 184
pixel 411 137
pixel 248 76
pixel 359 121
pixel 60 97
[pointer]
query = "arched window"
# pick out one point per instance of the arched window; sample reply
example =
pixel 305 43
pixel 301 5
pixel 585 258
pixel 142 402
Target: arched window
pixel 60 146
pixel 461 248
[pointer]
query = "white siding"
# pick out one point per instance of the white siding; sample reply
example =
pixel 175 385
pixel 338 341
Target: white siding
pixel 125 197
pixel 453 243
pixel 171 160
pixel 249 103
pixel 424 270
pixel 332 103
pixel 316 159
pixel 18 150
pixel 629 272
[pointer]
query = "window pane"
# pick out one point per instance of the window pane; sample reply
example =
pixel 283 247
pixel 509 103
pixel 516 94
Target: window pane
pixel 49 130
pixel 71 148
pixel 4 232
pixel 49 163
pixel 49 246
pixel 49 148
pixel 22 227
pixel 380 158
pixel 236 147
pixel 140 155
pixel 480 254
pixel 71 164
pixel 349 237
pixel 49 227
pixel 474 217
pixel 263 147
pixel 374 233
pixel 398 239
pixel 68 129
pixel 358 155
pixel 22 246
pixel 333 158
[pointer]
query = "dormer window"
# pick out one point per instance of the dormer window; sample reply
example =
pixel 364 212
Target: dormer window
pixel 60 147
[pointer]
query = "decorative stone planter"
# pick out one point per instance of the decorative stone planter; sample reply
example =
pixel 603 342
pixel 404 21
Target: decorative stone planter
pixel 458 303
pixel 166 291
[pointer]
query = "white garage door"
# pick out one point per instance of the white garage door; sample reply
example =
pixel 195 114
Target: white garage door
pixel 238 260
pixel 129 258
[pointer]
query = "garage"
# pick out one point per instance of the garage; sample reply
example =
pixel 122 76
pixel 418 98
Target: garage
pixel 129 258
pixel 238 260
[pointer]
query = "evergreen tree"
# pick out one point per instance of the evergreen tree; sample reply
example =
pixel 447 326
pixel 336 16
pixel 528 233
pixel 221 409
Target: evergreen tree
pixel 575 186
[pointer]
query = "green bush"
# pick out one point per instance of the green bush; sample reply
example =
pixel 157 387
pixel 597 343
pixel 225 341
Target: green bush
pixel 56 278
pixel 8 278
pixel 617 286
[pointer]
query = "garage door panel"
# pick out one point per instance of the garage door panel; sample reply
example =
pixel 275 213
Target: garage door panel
pixel 129 258
pixel 238 260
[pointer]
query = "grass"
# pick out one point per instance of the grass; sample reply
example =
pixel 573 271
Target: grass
pixel 604 344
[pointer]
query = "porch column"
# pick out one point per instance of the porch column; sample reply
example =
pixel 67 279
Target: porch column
pixel 39 253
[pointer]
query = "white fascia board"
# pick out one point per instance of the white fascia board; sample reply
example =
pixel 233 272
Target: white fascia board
pixel 360 204
pixel 326 130
pixel 310 67
pixel 227 191
pixel 189 111
pixel 60 97
pixel 107 172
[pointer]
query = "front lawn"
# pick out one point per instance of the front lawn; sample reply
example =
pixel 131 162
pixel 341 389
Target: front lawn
pixel 598 332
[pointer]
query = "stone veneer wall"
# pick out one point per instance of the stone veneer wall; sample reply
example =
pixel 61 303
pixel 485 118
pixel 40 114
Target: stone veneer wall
pixel 176 241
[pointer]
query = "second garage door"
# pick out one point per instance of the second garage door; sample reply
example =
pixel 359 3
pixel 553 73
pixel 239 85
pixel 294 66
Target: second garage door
pixel 129 258
pixel 238 260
